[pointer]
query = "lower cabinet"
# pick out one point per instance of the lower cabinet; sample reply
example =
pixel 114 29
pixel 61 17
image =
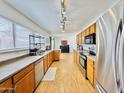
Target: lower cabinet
pixel 25 82
pixel 76 55
pixel 45 64
pixel 6 86
pixel 56 55
pixel 91 71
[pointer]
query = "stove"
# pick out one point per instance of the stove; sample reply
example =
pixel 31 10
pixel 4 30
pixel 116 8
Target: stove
pixel 83 63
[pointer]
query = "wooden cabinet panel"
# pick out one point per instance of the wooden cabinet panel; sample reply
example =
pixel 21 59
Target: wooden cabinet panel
pixel 87 31
pixel 6 86
pixel 92 28
pixel 80 38
pixel 90 73
pixel 77 39
pixel 26 84
pixel 48 61
pixel 22 73
pixel 83 37
pixel 56 55
pixel 45 64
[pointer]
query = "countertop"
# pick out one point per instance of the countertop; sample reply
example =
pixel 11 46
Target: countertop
pixel 92 57
pixel 9 69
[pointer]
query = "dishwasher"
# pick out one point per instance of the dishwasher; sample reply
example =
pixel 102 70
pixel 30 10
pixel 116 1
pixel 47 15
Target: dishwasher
pixel 39 73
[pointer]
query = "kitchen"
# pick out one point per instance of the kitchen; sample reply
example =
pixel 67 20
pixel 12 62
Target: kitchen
pixel 63 48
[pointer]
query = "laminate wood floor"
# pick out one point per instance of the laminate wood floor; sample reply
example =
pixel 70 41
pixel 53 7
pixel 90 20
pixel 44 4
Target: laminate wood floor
pixel 69 79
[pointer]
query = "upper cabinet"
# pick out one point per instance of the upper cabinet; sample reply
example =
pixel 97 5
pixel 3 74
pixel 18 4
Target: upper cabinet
pixel 87 31
pixel 80 38
pixel 92 28
pixel 83 37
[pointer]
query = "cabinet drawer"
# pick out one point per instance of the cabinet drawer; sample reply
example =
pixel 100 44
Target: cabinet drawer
pixel 6 86
pixel 22 73
pixel 25 84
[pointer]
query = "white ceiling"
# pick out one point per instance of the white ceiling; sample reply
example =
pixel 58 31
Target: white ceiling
pixel 46 13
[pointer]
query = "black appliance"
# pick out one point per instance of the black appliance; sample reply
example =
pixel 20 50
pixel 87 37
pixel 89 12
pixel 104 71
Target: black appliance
pixel 64 48
pixel 90 39
pixel 83 64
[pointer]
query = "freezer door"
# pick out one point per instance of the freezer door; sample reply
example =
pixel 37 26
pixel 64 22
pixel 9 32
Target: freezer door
pixel 121 60
pixel 108 43
pixel 105 68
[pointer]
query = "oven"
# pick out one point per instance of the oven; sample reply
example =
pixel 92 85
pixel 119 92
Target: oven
pixel 83 65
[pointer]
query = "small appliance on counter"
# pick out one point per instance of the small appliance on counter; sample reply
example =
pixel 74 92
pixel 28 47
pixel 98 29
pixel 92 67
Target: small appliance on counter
pixel 90 39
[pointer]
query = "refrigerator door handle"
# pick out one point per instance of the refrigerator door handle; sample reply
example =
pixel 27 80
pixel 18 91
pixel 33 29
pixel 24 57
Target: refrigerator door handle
pixel 117 46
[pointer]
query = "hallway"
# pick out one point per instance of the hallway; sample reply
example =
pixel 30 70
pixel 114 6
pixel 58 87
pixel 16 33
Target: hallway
pixel 68 78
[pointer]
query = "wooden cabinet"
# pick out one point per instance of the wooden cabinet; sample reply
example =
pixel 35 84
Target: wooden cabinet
pixel 49 58
pixel 22 73
pixel 45 64
pixel 77 39
pixel 92 28
pixel 76 55
pixel 83 37
pixel 87 31
pixel 91 71
pixel 24 83
pixel 80 38
pixel 56 55
pixel 6 86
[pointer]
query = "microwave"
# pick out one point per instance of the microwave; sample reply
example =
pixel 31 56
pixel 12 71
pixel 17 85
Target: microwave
pixel 90 39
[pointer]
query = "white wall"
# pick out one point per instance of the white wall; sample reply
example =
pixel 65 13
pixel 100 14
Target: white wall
pixel 71 41
pixel 12 14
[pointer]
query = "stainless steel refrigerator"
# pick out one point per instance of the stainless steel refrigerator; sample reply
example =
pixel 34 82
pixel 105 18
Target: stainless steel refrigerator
pixel 110 50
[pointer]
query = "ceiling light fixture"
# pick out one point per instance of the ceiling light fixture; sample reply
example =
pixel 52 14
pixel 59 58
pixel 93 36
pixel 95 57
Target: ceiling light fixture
pixel 63 15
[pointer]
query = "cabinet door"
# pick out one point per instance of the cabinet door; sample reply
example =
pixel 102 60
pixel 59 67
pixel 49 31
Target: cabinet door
pixel 77 57
pixel 51 58
pixel 6 86
pixel 26 84
pixel 48 60
pixel 90 72
pixel 92 28
pixel 80 38
pixel 45 64
pixel 83 37
pixel 56 55
pixel 87 31
pixel 52 55
pixel 77 39
pixel 94 75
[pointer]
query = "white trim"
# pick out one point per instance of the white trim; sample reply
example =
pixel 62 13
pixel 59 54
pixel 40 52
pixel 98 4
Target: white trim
pixel 13 50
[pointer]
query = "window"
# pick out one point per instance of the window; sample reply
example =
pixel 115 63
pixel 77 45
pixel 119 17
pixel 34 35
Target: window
pixel 6 34
pixel 21 36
